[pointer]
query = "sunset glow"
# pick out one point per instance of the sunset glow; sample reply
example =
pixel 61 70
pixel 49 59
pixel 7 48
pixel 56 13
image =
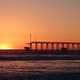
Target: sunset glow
pixel 5 46
pixel 50 20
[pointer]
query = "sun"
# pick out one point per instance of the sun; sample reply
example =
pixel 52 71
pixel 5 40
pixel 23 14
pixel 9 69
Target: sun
pixel 5 46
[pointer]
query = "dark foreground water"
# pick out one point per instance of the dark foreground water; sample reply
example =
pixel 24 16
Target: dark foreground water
pixel 40 70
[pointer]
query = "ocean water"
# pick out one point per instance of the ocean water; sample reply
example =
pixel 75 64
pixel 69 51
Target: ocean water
pixel 40 70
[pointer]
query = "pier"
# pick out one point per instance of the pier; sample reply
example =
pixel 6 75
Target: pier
pixel 43 45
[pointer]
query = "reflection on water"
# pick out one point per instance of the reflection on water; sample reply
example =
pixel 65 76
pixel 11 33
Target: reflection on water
pixel 9 68
pixel 42 66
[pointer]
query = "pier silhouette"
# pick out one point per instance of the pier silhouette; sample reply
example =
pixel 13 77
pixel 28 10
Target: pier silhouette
pixel 61 48
pixel 43 50
pixel 39 45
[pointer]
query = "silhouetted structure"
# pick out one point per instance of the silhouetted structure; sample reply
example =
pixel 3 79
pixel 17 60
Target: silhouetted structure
pixel 39 45
pixel 52 51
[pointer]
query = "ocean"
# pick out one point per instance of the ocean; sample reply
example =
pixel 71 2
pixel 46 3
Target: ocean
pixel 40 70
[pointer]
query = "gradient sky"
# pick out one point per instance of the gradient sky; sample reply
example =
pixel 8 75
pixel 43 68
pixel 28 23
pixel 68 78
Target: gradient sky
pixel 52 20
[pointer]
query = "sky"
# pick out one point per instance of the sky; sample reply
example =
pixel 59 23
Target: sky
pixel 46 20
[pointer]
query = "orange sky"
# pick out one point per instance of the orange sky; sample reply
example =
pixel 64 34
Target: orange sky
pixel 52 20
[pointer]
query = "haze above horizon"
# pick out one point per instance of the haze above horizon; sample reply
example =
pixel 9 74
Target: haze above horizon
pixel 50 20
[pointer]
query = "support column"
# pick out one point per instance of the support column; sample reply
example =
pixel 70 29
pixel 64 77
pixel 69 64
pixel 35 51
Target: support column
pixel 73 46
pixel 41 46
pixel 30 45
pixel 67 45
pixel 47 46
pixel 57 45
pixel 36 45
pixel 78 46
pixel 52 46
pixel 62 44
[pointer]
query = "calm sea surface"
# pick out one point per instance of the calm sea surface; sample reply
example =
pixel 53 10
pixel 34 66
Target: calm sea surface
pixel 11 69
pixel 42 66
